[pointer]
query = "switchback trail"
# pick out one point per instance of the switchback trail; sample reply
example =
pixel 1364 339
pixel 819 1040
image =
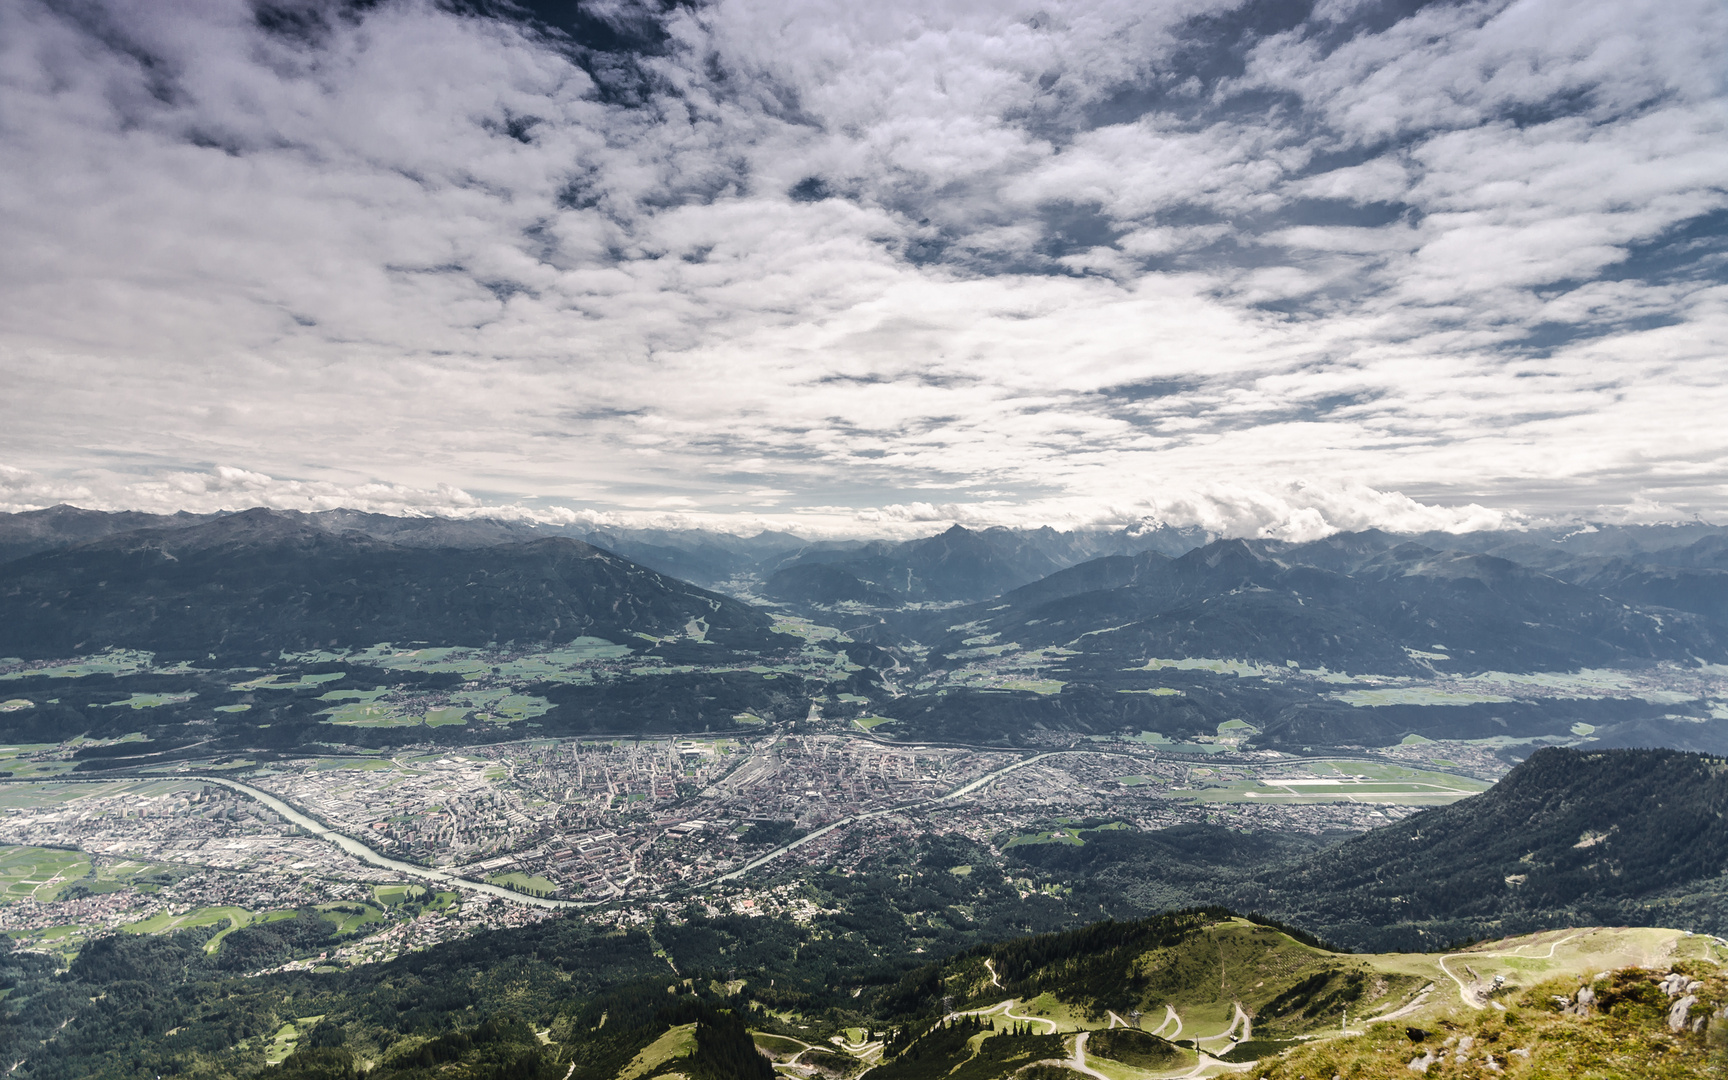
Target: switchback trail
pixel 1402 1011
pixel 1078 1064
pixel 1170 1014
pixel 1464 993
pixel 1240 1017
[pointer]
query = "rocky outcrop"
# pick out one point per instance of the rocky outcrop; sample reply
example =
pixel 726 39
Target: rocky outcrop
pixel 1683 989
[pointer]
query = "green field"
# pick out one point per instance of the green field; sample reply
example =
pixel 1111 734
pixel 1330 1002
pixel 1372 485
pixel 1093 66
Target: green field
pixel 274 682
pixel 370 714
pixel 393 895
pixel 350 916
pixel 1163 742
pixel 568 662
pixel 16 760
pixel 1417 695
pixel 46 874
pixel 150 701
pixel 524 883
pixel 287 1037
pixel 41 873
pixel 1215 666
pixel 993 679
pixel 804 628
pixel 504 707
pixel 371 708
pixel 113 662
pixel 1053 836
pixel 37 795
pixel 162 922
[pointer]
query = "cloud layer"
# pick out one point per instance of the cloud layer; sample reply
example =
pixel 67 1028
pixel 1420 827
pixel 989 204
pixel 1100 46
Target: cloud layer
pixel 1253 266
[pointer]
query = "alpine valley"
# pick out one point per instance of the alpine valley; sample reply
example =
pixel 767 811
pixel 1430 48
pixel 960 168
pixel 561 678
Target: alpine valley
pixel 337 794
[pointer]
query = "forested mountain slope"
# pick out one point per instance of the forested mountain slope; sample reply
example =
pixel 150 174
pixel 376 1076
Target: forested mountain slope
pixel 1566 838
pixel 262 582
pixel 1409 609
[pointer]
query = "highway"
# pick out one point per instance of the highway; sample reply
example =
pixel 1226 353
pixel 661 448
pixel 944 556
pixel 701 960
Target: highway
pixel 368 855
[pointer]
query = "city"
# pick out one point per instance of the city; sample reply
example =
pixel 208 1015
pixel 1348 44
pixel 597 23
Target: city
pixel 622 830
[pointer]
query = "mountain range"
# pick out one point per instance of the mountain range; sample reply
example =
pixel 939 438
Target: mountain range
pixel 991 636
pixel 258 583
pixel 1405 609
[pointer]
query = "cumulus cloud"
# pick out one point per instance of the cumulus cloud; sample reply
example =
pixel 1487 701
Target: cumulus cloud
pixel 227 488
pixel 756 262
pixel 1295 511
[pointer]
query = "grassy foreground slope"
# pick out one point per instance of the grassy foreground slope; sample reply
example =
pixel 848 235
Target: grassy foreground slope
pixel 1198 992
pixel 1595 1005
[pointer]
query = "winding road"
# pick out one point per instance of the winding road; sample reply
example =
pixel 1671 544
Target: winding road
pixel 1006 1008
pixel 1415 1003
pixel 1078 1062
pixel 1464 992
pixel 1240 1017
pixel 1170 1014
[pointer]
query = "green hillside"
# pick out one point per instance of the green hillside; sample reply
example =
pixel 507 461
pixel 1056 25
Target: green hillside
pixel 1199 992
pixel 1188 993
pixel 1566 838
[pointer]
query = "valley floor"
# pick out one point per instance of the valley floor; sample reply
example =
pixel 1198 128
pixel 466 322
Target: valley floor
pixel 612 824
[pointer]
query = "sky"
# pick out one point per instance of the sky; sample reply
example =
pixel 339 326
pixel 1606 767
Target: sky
pixel 1273 269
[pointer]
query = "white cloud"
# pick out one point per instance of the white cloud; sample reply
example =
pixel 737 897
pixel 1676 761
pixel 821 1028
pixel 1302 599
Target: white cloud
pixel 1061 275
pixel 1294 511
